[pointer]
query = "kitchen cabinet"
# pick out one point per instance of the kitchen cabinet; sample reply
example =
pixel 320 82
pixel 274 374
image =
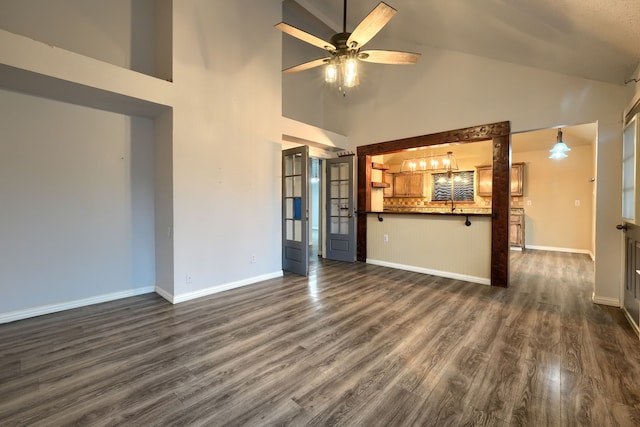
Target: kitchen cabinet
pixel 516 228
pixel 408 185
pixel 485 180
pixel 517 179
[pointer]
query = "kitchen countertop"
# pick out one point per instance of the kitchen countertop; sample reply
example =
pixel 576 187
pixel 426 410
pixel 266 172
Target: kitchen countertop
pixel 437 211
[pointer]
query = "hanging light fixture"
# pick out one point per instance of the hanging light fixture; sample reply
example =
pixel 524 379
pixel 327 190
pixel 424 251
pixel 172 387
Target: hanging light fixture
pixel 436 163
pixel 343 71
pixel 560 149
pixel 344 49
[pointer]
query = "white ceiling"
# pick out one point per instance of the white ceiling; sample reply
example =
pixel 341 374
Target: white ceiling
pixel 595 39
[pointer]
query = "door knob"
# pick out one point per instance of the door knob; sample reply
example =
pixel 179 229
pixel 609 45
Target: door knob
pixel 621 227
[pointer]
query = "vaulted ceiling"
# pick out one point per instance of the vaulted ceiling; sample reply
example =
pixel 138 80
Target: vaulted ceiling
pixel 594 39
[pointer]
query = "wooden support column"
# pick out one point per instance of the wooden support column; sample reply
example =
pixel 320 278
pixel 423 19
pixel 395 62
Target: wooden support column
pixel 364 205
pixel 501 209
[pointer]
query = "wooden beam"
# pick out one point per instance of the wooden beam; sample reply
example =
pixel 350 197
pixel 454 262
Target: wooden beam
pixel 470 134
pixel 364 206
pixel 501 209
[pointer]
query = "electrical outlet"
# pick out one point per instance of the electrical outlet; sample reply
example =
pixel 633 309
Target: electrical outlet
pixel 577 202
pixel 528 202
pixel 385 237
pixel 189 278
pixel 253 258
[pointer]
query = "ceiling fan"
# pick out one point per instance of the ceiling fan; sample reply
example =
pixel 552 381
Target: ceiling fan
pixel 341 66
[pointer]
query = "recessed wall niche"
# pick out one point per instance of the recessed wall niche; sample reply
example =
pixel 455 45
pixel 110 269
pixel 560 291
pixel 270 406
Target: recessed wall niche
pixel 133 34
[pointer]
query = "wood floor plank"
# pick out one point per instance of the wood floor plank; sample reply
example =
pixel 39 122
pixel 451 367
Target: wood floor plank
pixel 352 344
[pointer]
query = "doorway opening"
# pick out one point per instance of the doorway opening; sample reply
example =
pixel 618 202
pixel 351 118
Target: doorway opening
pixel 557 207
pixel 315 210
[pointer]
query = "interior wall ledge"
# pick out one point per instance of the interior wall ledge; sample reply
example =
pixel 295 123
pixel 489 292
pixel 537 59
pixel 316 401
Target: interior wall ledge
pixel 35 68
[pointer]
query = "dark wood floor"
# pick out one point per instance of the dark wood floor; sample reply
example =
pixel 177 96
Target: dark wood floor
pixel 350 345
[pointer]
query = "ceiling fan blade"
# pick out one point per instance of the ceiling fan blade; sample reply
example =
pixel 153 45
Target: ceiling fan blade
pixel 306 65
pixel 371 25
pixel 304 36
pixel 388 57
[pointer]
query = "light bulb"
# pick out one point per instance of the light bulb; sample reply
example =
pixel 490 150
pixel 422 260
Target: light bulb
pixel 330 73
pixel 351 72
pixel 556 155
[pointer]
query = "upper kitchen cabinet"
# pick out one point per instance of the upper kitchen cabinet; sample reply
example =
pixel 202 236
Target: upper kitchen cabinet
pixel 408 185
pixel 485 180
pixel 517 179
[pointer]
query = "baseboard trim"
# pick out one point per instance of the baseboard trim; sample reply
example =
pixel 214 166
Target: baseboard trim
pixel 177 299
pixel 12 316
pixel 447 274
pixel 556 249
pixel 164 294
pixel 613 302
pixel 631 322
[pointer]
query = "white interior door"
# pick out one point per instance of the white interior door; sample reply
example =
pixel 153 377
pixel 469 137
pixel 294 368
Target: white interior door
pixel 341 219
pixel 295 210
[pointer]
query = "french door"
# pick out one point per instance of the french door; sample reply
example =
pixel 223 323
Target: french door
pixel 341 230
pixel 632 273
pixel 295 210
pixel 631 218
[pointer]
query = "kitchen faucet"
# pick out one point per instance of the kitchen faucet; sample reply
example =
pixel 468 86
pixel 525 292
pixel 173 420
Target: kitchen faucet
pixel 453 205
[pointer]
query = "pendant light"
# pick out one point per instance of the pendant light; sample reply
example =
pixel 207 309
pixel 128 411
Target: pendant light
pixel 560 149
pixel 436 163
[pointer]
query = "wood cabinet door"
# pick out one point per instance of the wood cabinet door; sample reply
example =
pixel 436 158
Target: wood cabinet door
pixel 388 191
pixel 400 185
pixel 517 179
pixel 484 178
pixel 514 234
pixel 408 185
pixel 415 186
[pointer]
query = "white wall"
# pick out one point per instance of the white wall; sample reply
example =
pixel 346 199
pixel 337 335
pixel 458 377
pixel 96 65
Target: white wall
pixel 451 90
pixel 217 177
pixel 226 144
pixel 77 191
pixel 434 244
pixel 305 95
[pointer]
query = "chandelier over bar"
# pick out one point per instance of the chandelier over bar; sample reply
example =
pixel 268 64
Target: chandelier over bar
pixel 435 163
